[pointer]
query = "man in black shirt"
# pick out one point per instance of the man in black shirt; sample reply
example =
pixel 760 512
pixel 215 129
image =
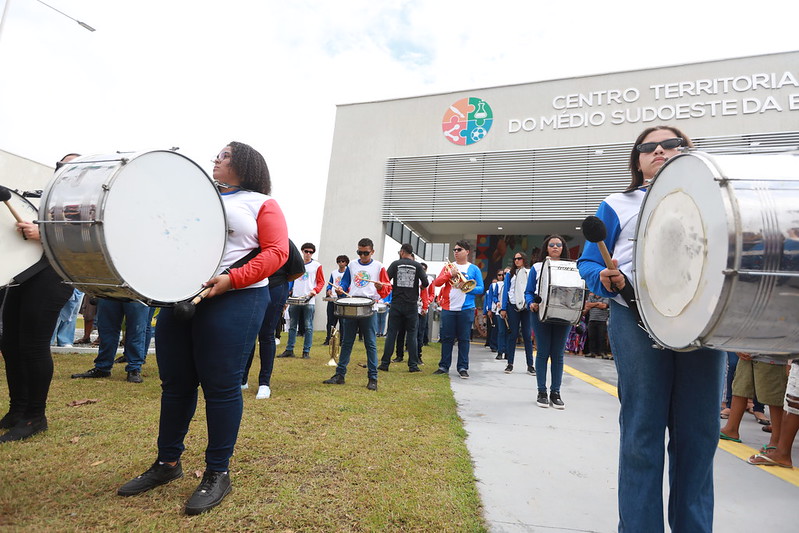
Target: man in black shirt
pixel 406 275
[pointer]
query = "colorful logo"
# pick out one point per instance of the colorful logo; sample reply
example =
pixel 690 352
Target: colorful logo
pixel 467 121
pixel 362 279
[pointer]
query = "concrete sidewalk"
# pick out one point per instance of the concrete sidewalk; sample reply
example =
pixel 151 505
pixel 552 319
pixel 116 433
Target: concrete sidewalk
pixel 545 470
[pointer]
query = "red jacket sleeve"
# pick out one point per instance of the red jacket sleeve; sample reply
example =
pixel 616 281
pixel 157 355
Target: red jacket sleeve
pixel 424 292
pixel 443 277
pixel 273 237
pixel 320 280
pixel 386 281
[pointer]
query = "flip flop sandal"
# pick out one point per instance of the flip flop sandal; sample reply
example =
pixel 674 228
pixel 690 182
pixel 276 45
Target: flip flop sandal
pixel 761 459
pixel 722 436
pixel 767 428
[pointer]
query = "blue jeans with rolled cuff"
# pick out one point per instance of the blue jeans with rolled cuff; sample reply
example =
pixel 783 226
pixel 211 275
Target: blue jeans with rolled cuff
pixel 208 350
pixel 349 329
pixel 664 392
pixel 306 314
pixel 456 325
pixel 109 326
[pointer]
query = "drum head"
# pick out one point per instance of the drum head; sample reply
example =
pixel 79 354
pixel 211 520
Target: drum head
pixel 355 301
pixel 18 253
pixel 681 250
pixel 164 226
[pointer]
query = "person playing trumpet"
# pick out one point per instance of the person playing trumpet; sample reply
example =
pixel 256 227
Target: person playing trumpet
pixel 462 281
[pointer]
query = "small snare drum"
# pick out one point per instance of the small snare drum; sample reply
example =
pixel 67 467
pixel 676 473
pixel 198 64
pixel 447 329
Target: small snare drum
pixel 298 300
pixel 381 307
pixel 354 307
pixel 562 292
pixel 18 254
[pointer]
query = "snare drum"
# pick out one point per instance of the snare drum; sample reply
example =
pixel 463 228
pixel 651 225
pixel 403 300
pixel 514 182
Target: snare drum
pixel 149 226
pixel 354 307
pixel 381 307
pixel 298 300
pixel 562 292
pixel 715 253
pixel 18 254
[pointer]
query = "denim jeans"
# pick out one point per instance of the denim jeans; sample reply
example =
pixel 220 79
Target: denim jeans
pixel 266 337
pixel 519 319
pixel 491 326
pixel 455 325
pixel 550 341
pixel 109 327
pixel 149 332
pixel 659 391
pixel 398 317
pixel 304 313
pixel 209 350
pixel 381 322
pixel 349 328
pixel 732 364
pixel 502 334
pixel 421 330
pixel 67 320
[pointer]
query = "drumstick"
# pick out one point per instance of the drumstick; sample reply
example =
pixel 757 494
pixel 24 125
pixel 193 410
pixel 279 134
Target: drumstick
pixel 185 310
pixel 339 287
pixel 5 196
pixel 594 231
pixel 359 278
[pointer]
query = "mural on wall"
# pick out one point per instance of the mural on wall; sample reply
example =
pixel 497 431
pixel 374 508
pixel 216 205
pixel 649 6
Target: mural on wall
pixel 496 251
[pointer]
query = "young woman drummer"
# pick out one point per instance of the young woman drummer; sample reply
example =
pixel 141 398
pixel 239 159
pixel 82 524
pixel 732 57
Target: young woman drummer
pixel 660 390
pixel 210 348
pixel 550 339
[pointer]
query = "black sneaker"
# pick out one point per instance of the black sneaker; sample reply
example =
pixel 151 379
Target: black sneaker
pixel 554 399
pixel 509 369
pixel 463 374
pixel 134 376
pixel 210 492
pixel 10 420
pixel 414 369
pixel 337 379
pixel 306 355
pixel 93 373
pixel 287 353
pixel 121 359
pixel 499 356
pixel 531 370
pixel 157 475
pixel 25 429
pixel 441 371
pixel 420 360
pixel 383 367
pixel 542 400
pixel 398 359
pixel 372 385
pixel 326 343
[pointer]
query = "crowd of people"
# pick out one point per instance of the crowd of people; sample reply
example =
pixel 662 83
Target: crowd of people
pixel 263 277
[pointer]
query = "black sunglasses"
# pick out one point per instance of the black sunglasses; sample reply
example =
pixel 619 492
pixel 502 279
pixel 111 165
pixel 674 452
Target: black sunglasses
pixel 360 252
pixel 457 249
pixel 307 251
pixel 668 144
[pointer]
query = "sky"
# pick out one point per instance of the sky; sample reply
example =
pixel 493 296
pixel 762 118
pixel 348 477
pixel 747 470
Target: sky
pixel 197 74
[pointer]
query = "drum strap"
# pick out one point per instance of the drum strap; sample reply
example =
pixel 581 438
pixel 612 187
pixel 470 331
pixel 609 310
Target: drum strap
pixel 628 295
pixel 244 260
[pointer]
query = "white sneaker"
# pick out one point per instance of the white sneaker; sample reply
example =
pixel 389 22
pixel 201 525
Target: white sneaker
pixel 264 392
pixel 245 386
pixel 277 341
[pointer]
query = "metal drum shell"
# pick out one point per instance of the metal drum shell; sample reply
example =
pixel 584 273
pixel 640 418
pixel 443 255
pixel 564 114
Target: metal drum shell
pixel 745 296
pixel 560 304
pixel 354 307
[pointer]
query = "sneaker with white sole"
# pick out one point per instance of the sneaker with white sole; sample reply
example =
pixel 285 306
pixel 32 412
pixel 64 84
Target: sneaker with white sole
pixel 264 392
pixel 245 386
pixel 554 399
pixel 463 374
pixel 542 400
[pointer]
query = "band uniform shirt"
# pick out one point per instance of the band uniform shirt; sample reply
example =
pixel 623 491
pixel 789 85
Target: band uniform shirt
pixel 354 280
pixel 532 283
pixel 453 299
pixel 312 279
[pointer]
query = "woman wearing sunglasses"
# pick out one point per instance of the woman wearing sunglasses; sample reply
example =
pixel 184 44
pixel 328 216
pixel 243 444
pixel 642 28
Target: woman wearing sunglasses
pixel 516 313
pixel 211 347
pixel 550 339
pixel 660 390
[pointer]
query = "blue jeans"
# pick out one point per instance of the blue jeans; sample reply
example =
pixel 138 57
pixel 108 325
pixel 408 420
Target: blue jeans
pixel 732 364
pixel 67 320
pixel 109 327
pixel 662 390
pixel 550 341
pixel 398 317
pixel 421 330
pixel 349 328
pixel 304 313
pixel 455 325
pixel 381 322
pixel 209 349
pixel 517 319
pixel 266 337
pixel 502 334
pixel 149 332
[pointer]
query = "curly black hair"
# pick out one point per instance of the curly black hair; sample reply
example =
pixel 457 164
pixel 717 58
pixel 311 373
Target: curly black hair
pixel 250 166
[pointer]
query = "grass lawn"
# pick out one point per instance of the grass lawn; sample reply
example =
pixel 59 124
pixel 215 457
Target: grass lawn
pixel 314 457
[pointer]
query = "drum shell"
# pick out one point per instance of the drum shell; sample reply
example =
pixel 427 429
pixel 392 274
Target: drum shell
pixel 747 295
pixel 173 230
pixel 562 291
pixel 297 300
pixel 353 307
pixel 18 254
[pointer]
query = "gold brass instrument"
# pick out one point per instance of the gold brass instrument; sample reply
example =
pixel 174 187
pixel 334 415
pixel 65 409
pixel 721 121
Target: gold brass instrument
pixel 459 281
pixel 335 347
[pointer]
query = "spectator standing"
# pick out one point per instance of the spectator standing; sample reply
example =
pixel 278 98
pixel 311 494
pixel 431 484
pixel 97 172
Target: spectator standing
pixel 598 314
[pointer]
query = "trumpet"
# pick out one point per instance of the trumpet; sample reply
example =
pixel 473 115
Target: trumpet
pixel 335 347
pixel 459 281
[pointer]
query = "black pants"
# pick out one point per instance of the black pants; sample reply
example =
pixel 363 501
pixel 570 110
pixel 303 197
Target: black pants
pixel 332 319
pixel 29 317
pixel 597 336
pixel 400 317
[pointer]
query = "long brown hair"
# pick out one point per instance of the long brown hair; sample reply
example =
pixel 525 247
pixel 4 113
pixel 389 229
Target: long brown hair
pixel 513 268
pixel 545 248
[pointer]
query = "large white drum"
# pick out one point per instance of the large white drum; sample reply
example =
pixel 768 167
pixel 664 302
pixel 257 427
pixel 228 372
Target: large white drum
pixel 562 292
pixel 18 254
pixel 715 253
pixel 148 226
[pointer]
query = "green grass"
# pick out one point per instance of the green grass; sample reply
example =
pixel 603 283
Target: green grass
pixel 314 457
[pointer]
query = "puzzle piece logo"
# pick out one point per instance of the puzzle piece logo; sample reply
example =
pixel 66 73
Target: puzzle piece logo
pixel 362 279
pixel 467 121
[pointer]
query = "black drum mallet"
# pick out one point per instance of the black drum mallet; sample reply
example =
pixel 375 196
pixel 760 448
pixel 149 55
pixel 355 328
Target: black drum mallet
pixel 185 310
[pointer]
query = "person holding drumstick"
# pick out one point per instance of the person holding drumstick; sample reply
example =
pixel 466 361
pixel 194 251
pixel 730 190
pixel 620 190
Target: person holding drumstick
pixel 30 313
pixel 211 347
pixel 660 390
pixel 550 339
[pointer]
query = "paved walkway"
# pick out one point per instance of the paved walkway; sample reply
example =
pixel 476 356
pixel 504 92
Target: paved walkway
pixel 544 470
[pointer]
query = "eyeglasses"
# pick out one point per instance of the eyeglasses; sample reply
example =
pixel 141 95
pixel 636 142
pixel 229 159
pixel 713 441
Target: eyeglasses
pixel 341 262
pixel 457 249
pixel 518 258
pixel 362 253
pixel 307 251
pixel 555 245
pixel 668 144
pixel 223 155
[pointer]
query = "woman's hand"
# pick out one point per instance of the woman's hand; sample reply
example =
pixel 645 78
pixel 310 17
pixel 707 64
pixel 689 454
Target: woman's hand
pixel 503 314
pixel 29 230
pixel 612 279
pixel 219 285
pixel 534 307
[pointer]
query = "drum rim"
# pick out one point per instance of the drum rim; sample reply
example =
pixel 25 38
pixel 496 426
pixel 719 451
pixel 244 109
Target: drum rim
pixel 38 253
pixel 542 307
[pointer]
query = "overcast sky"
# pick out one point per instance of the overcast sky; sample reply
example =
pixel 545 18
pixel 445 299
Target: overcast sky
pixel 197 74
